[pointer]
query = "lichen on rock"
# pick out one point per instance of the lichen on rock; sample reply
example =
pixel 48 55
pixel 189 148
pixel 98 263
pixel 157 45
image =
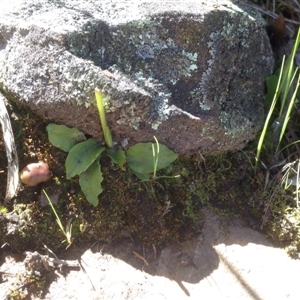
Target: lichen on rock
pixel 192 74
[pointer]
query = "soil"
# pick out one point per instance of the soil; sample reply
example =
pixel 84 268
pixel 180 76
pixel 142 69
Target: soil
pixel 226 261
pixel 162 238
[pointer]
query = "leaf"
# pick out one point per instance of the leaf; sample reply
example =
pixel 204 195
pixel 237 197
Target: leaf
pixel 118 157
pixel 90 183
pixel 277 30
pixel 140 157
pixel 271 82
pixel 142 176
pixel 81 156
pixel 63 137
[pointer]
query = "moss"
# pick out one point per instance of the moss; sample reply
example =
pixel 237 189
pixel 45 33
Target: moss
pixel 153 212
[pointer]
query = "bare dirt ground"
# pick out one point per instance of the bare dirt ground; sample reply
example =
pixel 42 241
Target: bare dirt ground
pixel 226 261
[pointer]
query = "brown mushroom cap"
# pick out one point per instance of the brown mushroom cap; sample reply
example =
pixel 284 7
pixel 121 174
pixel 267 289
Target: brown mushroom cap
pixel 35 173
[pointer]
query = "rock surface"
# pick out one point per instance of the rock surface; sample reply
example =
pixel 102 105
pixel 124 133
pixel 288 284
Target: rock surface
pixel 191 74
pixel 227 261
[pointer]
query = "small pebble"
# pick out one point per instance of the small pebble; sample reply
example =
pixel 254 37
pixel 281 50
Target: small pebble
pixel 186 260
pixel 35 173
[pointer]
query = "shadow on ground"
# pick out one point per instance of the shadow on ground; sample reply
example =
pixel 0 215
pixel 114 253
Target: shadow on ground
pixel 227 260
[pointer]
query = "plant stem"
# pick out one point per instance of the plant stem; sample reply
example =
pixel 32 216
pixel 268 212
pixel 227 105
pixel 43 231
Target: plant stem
pixel 101 110
pixel 155 156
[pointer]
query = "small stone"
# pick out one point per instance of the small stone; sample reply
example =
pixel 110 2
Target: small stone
pixel 186 260
pixel 35 173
